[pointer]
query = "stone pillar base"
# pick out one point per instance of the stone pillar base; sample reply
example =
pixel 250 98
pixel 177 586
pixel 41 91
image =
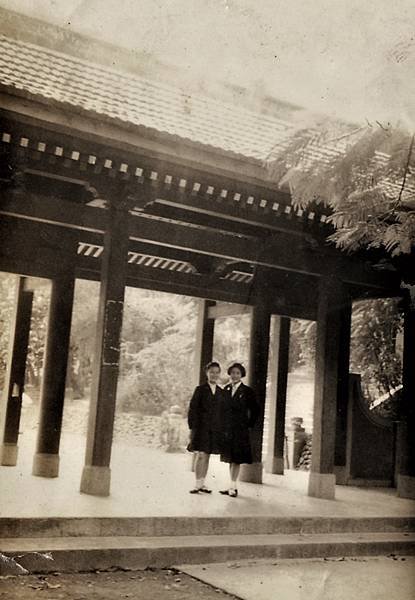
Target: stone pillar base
pixel 341 475
pixel 251 473
pixel 322 485
pixel 406 486
pixel 96 480
pixel 275 465
pixel 9 455
pixel 45 465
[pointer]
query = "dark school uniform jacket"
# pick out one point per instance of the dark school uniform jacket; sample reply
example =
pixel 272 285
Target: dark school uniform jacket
pixel 206 419
pixel 240 415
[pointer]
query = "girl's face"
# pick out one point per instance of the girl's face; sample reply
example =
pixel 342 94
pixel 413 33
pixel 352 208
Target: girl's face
pixel 213 374
pixel 235 375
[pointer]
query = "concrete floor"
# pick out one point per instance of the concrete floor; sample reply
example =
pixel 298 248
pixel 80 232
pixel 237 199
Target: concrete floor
pixel 148 482
pixel 383 578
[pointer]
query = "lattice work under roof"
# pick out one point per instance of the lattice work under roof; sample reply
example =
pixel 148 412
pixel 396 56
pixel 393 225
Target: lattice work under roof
pixel 163 108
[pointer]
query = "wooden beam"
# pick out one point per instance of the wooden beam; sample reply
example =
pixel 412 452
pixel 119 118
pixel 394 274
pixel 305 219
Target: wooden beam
pixel 96 473
pixel 228 310
pixel 165 149
pixel 46 458
pixel 191 196
pixel 13 386
pixel 257 376
pixel 277 252
pixel 278 397
pixel 203 344
pixel 31 284
pixel 162 281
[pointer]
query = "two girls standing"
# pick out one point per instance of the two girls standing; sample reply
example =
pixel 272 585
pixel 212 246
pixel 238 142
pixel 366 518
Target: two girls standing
pixel 220 421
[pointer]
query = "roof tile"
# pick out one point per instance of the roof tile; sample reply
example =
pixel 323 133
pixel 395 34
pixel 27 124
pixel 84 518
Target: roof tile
pixel 138 101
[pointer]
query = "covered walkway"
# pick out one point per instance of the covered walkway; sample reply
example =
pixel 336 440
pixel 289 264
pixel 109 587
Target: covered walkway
pixel 149 483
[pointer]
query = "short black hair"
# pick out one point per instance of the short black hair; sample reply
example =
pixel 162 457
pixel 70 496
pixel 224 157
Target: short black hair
pixel 239 366
pixel 212 364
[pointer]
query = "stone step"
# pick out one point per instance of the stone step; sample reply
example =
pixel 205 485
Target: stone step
pixel 170 526
pixel 73 554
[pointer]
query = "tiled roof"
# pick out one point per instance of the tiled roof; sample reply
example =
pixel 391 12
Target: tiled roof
pixel 138 101
pixel 134 100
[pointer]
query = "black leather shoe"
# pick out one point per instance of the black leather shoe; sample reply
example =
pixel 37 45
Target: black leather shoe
pixel 205 490
pixel 233 493
pixel 224 492
pixel 195 491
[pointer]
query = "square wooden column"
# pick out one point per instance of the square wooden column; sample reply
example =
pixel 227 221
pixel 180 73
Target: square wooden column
pixel 52 395
pixel 345 314
pixel 204 340
pixel 328 351
pixel 15 373
pixel 406 475
pixel 276 424
pixel 258 365
pixel 96 476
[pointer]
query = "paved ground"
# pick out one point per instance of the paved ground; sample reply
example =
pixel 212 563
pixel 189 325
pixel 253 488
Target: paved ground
pixel 144 585
pixel 383 578
pixel 147 482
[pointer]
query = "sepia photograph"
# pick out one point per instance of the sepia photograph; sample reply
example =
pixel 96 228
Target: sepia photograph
pixel 207 299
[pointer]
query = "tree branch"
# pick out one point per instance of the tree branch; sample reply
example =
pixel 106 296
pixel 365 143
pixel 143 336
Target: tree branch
pixel 405 175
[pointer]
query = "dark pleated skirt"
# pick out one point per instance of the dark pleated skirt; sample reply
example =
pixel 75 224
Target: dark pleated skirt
pixel 211 442
pixel 238 448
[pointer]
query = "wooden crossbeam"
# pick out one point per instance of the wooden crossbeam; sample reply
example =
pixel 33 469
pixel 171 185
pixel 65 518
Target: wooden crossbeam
pixel 228 310
pixel 281 251
pixel 32 284
pixel 66 157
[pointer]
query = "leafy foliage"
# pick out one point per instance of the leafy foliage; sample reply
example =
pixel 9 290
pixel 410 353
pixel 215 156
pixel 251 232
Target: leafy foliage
pixel 364 175
pixel 158 347
pixel 374 352
pixel 157 366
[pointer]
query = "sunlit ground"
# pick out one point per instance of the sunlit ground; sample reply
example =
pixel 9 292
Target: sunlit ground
pixel 150 482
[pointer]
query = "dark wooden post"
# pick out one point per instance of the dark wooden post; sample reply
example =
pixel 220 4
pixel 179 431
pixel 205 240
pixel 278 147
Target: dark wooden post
pixel 96 476
pixel 345 315
pixel 406 475
pixel 328 351
pixel 15 373
pixel 204 340
pixel 276 425
pixel 258 365
pixel 52 395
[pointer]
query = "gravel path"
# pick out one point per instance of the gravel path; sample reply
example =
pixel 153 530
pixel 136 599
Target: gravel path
pixel 142 585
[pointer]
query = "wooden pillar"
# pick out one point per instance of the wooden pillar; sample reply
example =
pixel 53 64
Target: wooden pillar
pixel 258 364
pixel 276 426
pixel 406 475
pixel 52 395
pixel 96 475
pixel 15 373
pixel 328 351
pixel 345 315
pixel 204 340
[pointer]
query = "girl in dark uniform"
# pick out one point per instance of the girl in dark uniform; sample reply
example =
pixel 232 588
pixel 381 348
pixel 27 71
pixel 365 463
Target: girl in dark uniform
pixel 241 413
pixel 205 419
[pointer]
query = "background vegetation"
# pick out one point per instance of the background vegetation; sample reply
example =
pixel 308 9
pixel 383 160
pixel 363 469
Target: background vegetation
pixel 157 368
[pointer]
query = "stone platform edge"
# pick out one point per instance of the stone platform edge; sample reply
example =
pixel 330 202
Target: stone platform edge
pixel 170 526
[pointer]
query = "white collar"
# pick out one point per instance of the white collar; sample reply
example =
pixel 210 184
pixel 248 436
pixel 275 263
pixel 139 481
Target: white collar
pixel 235 387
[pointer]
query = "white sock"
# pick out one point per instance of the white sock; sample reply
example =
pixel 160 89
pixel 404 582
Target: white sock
pixel 233 485
pixel 200 483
